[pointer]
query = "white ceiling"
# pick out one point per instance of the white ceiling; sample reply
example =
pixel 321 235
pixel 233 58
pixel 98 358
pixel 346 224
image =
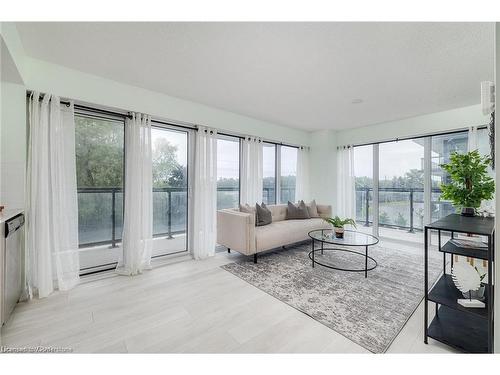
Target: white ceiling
pixel 303 75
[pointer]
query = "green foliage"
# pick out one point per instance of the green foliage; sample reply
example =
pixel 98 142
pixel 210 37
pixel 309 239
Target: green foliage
pixel 470 183
pixel 99 146
pixel 337 222
pixel 99 152
pixel 400 220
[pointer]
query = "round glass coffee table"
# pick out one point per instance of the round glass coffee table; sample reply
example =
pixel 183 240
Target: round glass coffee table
pixel 351 239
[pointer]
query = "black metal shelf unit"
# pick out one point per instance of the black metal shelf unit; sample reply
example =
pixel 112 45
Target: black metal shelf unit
pixel 469 330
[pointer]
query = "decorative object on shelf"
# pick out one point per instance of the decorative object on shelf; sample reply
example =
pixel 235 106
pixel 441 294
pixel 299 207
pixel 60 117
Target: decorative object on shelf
pixel 338 225
pixel 468 280
pixel 470 183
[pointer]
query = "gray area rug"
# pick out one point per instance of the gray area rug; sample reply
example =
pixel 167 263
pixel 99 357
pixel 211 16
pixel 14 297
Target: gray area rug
pixel 371 312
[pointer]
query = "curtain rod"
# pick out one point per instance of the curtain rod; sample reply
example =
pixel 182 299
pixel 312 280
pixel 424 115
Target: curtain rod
pixel 484 126
pixel 179 124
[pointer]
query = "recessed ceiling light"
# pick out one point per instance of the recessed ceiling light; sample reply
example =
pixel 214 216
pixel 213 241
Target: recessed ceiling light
pixel 357 101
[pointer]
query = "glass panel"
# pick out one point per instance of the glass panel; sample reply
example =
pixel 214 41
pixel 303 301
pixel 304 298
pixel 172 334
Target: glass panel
pixel 401 184
pixel 99 168
pixel 363 172
pixel 228 172
pixel 288 174
pixel 170 154
pixel 441 149
pixel 269 174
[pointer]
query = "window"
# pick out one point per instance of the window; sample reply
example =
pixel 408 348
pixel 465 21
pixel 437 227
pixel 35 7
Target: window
pixel 99 148
pixel 99 168
pixel 288 173
pixel 170 190
pixel 442 146
pixel 402 202
pixel 401 184
pixel 363 172
pixel 228 172
pixel 269 173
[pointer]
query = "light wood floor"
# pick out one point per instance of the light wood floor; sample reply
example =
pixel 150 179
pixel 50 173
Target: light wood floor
pixel 186 306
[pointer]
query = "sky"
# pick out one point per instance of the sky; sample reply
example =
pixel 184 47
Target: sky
pixel 395 159
pixel 228 154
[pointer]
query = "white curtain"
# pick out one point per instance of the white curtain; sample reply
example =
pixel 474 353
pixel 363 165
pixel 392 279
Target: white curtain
pixel 138 208
pixel 251 183
pixel 205 194
pixel 472 139
pixel 52 259
pixel 302 188
pixel 346 194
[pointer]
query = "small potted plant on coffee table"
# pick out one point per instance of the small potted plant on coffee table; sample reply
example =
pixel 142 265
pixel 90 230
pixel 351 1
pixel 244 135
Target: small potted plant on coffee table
pixel 338 225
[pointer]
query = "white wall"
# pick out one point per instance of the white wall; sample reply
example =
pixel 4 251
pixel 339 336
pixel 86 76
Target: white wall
pixel 427 124
pixel 69 83
pixel 13 145
pixel 323 166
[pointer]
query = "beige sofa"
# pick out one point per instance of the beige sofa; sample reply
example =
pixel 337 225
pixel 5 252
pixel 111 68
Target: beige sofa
pixel 237 231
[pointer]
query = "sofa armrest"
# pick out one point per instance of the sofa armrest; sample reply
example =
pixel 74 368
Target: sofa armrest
pixel 236 230
pixel 324 210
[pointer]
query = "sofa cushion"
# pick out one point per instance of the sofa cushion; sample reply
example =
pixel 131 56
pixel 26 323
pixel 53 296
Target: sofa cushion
pixel 263 215
pixel 297 211
pixel 286 232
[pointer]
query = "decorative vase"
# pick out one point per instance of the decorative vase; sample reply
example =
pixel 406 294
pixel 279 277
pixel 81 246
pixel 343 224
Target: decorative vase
pixel 468 211
pixel 339 232
pixel 475 294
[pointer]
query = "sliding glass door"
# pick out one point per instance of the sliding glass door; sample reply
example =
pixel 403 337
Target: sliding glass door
pixel 170 189
pixel 401 184
pixel 409 179
pixel 100 150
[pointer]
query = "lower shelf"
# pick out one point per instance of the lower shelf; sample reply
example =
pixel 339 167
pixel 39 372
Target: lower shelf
pixel 465 332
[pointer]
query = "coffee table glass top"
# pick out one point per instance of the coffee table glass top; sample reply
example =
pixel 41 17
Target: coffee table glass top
pixel 351 237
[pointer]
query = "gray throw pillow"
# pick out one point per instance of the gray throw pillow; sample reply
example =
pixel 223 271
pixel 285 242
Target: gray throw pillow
pixel 313 209
pixel 297 212
pixel 264 216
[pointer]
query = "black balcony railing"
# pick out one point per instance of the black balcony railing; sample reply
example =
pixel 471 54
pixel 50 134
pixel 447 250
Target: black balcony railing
pixel 100 214
pixel 100 211
pixel 401 208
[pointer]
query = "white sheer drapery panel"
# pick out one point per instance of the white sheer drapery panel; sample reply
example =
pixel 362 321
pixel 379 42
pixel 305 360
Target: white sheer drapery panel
pixel 138 206
pixel 302 188
pixel 251 183
pixel 205 194
pixel 346 194
pixel 472 139
pixel 52 258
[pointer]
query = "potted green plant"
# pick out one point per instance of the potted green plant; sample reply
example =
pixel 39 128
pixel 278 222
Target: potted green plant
pixel 338 224
pixel 470 183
